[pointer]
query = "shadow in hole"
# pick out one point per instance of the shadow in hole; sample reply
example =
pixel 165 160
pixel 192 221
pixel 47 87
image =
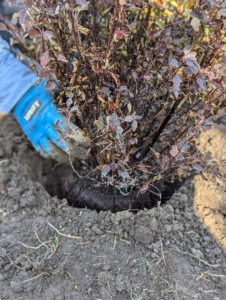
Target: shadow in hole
pixel 61 181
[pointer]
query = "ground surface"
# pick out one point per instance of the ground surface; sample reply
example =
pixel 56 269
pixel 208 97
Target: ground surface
pixel 163 253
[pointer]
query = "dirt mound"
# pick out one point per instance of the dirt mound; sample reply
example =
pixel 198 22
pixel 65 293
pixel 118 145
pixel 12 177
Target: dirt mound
pixel 210 195
pixel 49 250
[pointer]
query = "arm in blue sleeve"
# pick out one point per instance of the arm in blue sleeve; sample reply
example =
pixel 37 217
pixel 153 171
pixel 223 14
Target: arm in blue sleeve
pixel 15 79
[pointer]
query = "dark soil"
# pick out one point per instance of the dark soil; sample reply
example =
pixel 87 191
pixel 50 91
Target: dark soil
pixel 91 193
pixel 49 250
pixel 87 193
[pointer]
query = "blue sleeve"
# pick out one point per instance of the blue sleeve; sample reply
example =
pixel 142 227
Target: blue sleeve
pixel 15 78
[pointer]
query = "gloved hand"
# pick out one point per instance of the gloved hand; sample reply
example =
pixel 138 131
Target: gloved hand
pixel 37 117
pixel 33 109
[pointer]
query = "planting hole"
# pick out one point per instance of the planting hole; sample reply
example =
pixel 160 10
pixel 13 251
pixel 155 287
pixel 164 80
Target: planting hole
pixel 60 180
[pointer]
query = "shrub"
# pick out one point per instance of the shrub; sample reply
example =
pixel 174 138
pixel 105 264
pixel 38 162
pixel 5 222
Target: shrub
pixel 141 79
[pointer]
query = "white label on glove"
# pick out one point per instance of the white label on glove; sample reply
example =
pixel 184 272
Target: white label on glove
pixel 32 110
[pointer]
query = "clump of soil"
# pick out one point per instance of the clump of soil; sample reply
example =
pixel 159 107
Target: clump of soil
pixel 49 250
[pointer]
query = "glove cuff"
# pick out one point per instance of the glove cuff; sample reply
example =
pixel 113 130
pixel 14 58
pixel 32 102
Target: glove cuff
pixel 15 80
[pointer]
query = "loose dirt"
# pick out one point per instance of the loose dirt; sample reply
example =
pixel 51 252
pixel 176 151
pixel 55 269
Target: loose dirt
pixel 49 250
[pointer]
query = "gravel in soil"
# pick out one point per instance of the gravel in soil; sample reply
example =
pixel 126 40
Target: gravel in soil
pixel 49 250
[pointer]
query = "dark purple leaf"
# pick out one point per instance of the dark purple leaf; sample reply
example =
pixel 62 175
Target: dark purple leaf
pixel 123 174
pixel 62 58
pixel 2 27
pixel 217 66
pixel 202 83
pixel 13 2
pixel 148 77
pixel 217 84
pixel 208 157
pixel 47 35
pixel 22 15
pixel 206 127
pixel 187 70
pixel 193 65
pixel 133 141
pixel 118 129
pixel 174 63
pixel 197 14
pixel 222 72
pixel 211 3
pixel 193 88
pixel 28 3
pixel 114 166
pixel 148 55
pixel 201 111
pixel 133 25
pixel 224 59
pixel 128 119
pixel 106 90
pixel 136 117
pixel 106 169
pixel 83 3
pixel 135 75
pixel 121 163
pixel 190 55
pixel 187 49
pixel 180 155
pixel 113 120
pixel 222 12
pixel 74 108
pixel 44 59
pixel 176 84
pixel 49 10
pixel 134 125
pixel 197 167
pixel 184 145
pixel 183 167
pixel 69 102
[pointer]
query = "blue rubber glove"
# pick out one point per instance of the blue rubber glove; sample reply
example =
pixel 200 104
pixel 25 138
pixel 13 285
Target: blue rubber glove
pixel 36 116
